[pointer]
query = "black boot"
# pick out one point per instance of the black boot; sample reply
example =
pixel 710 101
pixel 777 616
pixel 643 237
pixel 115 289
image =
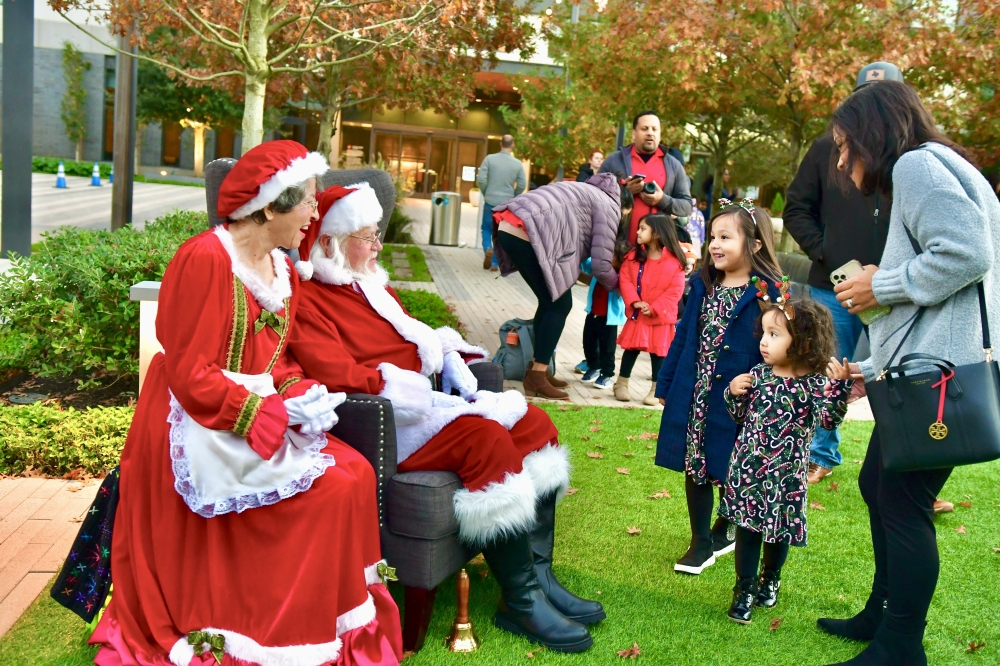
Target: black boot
pixel 891 648
pixel 744 595
pixel 699 556
pixel 767 588
pixel 542 538
pixel 524 608
pixel 861 627
pixel 723 537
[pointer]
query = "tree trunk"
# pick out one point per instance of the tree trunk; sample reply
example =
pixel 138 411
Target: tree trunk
pixel 79 149
pixel 256 74
pixel 327 130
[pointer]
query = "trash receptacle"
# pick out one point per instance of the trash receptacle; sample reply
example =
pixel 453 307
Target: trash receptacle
pixel 446 216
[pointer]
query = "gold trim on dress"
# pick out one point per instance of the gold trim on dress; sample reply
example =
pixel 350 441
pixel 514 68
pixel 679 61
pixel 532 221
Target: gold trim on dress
pixel 282 335
pixel 287 384
pixel 248 412
pixel 237 337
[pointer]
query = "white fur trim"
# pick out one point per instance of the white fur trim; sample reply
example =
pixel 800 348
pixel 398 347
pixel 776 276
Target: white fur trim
pixel 451 340
pixel 328 270
pixel 371 574
pixel 423 336
pixel 271 298
pixel 298 171
pixel 409 392
pixel 304 269
pixel 354 212
pixel 250 651
pixel 496 511
pixel 505 408
pixel 549 470
pixel 356 617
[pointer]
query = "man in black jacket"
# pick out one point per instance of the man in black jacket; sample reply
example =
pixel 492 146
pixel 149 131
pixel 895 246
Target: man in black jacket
pixel 833 228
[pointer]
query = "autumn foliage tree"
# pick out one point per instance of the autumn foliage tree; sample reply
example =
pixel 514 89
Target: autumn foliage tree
pixel 254 42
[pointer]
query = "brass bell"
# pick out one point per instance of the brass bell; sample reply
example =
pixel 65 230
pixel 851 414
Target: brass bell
pixel 463 638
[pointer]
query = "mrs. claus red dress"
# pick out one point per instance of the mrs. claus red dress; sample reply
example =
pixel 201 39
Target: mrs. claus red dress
pixel 659 282
pixel 288 577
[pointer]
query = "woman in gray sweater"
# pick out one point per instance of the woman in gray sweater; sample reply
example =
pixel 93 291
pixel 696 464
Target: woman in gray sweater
pixel 887 142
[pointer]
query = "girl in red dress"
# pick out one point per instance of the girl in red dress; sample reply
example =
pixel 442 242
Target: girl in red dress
pixel 652 283
pixel 244 533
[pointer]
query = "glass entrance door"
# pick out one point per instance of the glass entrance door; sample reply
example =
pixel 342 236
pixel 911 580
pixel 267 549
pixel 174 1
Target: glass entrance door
pixel 440 167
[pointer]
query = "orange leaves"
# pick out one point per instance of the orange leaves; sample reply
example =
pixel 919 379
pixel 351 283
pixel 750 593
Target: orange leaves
pixel 660 494
pixel 633 531
pixel 572 491
pixel 630 653
pixel 960 529
pixel 775 623
pixel 594 454
pixel 623 470
pixel 816 505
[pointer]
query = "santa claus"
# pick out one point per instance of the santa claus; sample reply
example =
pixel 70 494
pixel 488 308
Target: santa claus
pixel 353 335
pixel 227 470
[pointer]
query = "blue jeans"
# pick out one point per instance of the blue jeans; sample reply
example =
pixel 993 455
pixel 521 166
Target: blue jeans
pixel 825 447
pixel 487 224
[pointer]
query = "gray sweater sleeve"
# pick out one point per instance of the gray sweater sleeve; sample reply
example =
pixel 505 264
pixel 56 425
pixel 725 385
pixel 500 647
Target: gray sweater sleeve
pixel 484 174
pixel 948 226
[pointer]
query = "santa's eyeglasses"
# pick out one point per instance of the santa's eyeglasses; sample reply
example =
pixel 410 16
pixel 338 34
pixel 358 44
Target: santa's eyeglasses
pixel 374 240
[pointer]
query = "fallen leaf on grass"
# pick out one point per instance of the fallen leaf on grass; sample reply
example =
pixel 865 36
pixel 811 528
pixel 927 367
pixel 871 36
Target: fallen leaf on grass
pixel 630 653
pixel 622 470
pixel 631 437
pixel 996 550
pixel 817 506
pixel 775 623
pixel 633 531
pixel 594 454
pixel 597 421
pixel 833 487
pixel 628 454
pixel 531 655
pixel 960 529
pixel 660 494
pixel 585 438
pixel 859 462
pixel 407 655
pixel 595 428
pixel 563 409
pixel 572 491
pixel 649 446
pixel 648 435
pixel 578 408
pixel 647 416
pixel 967 505
pixel 975 646
pixel 600 446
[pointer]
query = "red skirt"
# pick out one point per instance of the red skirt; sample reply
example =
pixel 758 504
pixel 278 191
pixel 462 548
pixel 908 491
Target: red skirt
pixel 293 582
pixel 640 335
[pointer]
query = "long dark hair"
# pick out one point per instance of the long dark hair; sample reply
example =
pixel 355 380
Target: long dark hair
pixel 756 227
pixel 663 230
pixel 880 123
pixel 622 246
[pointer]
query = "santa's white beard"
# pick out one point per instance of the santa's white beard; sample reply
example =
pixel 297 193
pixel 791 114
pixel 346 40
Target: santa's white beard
pixel 377 276
pixel 336 270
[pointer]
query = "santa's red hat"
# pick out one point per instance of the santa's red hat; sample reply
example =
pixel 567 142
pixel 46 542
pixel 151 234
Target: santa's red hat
pixel 263 173
pixel 342 211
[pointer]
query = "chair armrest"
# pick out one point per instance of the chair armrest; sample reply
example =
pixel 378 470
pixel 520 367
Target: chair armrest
pixel 366 424
pixel 488 375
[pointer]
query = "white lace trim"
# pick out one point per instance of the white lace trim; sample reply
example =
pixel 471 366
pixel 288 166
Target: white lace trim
pixel 271 298
pixel 185 487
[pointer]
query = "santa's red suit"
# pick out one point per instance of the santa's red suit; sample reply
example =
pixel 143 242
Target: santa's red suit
pixel 217 490
pixel 354 336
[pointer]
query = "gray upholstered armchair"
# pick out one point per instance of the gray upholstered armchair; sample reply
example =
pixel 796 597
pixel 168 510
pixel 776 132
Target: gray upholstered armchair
pixel 418 527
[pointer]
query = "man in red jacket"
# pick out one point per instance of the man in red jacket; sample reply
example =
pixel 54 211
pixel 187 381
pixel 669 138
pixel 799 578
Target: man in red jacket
pixel 352 333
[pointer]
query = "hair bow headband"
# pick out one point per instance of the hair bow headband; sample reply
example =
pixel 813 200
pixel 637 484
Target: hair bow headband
pixel 745 203
pixel 784 296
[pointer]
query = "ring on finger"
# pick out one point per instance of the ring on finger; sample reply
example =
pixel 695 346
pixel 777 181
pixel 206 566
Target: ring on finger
pixel 850 303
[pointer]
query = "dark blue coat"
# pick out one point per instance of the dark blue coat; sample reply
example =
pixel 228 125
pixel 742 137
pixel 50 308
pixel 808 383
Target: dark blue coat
pixel 740 352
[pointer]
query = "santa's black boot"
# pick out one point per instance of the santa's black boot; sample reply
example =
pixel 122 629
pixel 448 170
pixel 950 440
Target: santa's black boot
pixel 524 608
pixel 542 538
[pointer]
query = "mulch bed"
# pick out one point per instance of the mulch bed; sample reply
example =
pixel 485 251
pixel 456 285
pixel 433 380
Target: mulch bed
pixel 106 391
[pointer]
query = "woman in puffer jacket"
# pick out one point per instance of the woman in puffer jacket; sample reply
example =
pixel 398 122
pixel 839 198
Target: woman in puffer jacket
pixel 544 234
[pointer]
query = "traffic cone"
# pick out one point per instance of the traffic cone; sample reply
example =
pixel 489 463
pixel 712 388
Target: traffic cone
pixel 111 176
pixel 61 177
pixel 95 176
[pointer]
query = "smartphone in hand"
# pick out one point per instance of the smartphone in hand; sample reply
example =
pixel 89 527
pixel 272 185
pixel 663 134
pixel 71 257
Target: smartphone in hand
pixel 849 270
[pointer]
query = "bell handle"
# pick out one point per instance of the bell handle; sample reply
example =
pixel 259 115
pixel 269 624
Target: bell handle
pixel 462 587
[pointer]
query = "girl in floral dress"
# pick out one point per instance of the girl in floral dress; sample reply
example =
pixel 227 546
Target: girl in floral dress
pixel 713 343
pixel 779 404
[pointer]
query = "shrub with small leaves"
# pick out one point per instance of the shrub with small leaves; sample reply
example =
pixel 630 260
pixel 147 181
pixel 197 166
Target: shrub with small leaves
pixel 429 308
pixel 66 310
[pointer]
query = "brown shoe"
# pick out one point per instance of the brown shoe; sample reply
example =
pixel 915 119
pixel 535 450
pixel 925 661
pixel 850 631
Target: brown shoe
pixel 488 259
pixel 817 473
pixel 536 384
pixel 941 506
pixel 621 390
pixel 555 381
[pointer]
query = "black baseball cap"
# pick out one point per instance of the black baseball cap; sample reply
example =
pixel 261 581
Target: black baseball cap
pixel 878 71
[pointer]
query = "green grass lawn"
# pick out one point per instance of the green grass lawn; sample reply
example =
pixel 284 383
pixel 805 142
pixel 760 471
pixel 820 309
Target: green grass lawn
pixel 418 265
pixel 681 619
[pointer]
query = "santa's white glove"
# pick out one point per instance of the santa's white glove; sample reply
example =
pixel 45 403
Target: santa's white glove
pixel 314 411
pixel 456 374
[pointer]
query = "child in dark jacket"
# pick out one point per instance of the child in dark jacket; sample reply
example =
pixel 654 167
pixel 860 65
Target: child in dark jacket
pixel 714 343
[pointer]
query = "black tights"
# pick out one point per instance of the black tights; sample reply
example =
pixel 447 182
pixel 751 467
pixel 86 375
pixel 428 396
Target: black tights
pixel 550 316
pixel 900 511
pixel 630 356
pixel 748 547
pixel 700 500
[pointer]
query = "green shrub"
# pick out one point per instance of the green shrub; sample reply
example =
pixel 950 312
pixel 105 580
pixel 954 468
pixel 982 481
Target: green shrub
pixel 778 204
pixel 65 310
pixel 72 167
pixel 55 441
pixel 398 229
pixel 429 308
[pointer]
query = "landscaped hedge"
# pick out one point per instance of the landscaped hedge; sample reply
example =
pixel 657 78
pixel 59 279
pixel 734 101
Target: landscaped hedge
pixel 54 441
pixel 65 310
pixel 429 308
pixel 71 167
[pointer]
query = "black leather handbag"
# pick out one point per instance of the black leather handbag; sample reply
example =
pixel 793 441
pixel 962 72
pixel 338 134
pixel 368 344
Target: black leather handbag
pixel 946 417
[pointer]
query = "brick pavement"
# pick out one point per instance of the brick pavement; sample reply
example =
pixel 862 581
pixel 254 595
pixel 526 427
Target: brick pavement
pixel 39 519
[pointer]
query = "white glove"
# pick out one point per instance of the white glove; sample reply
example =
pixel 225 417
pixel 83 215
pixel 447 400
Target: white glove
pixel 314 411
pixel 456 374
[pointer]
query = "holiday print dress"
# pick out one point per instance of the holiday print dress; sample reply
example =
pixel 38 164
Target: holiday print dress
pixel 765 491
pixel 712 323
